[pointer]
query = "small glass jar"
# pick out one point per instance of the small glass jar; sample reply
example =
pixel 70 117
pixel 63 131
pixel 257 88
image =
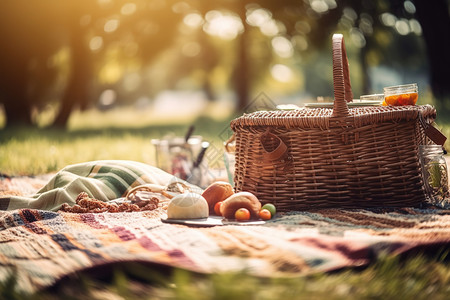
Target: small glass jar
pixel 434 174
pixel 400 95
pixel 372 97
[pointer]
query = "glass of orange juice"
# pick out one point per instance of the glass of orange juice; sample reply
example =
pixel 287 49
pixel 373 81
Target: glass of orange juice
pixel 399 95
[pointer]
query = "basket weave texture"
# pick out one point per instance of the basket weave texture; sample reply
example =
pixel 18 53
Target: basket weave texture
pixel 333 157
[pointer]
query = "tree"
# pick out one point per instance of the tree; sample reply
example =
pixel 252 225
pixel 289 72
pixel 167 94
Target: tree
pixel 80 64
pixel 28 40
pixel 435 22
pixel 34 31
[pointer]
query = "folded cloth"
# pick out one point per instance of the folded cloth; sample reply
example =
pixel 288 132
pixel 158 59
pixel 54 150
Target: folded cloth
pixel 103 180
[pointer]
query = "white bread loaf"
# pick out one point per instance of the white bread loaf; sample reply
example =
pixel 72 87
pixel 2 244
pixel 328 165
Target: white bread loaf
pixel 187 206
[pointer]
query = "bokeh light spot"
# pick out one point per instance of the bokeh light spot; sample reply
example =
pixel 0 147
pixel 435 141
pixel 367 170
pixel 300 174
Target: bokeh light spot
pixel 357 37
pixel 193 20
pixel 302 27
pixel 107 97
pixel 282 47
pixel 319 6
pixel 128 9
pixel 388 19
pixel 111 25
pixel 180 7
pixel 281 73
pixel 415 26
pixel 257 17
pixel 96 43
pixel 402 26
pixel 224 25
pixel 409 7
pixel 270 28
pixel 300 42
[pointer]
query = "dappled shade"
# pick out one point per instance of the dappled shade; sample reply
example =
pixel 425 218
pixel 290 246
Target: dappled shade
pixel 76 54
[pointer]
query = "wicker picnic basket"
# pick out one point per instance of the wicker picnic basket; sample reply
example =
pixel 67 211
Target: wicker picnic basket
pixel 343 157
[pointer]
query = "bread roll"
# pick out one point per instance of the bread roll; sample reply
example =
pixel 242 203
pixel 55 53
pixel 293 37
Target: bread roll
pixel 216 192
pixel 240 200
pixel 187 206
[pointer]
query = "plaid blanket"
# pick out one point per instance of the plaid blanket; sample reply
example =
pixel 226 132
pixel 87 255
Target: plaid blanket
pixel 42 246
pixel 103 180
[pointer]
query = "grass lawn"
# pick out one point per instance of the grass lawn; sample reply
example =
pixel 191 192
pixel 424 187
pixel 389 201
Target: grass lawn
pixel 418 277
pixel 92 136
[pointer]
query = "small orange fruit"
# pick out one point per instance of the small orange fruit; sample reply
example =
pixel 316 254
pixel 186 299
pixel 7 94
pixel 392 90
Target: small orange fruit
pixel 242 214
pixel 265 214
pixel 270 207
pixel 217 208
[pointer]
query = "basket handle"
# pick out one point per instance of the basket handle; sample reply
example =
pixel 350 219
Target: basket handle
pixel 230 146
pixel 280 150
pixel 341 78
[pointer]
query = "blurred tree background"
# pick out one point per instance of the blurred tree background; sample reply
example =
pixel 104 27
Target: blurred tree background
pixel 78 54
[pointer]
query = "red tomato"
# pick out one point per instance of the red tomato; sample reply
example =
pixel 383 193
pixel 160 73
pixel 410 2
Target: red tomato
pixel 217 208
pixel 242 214
pixel 265 214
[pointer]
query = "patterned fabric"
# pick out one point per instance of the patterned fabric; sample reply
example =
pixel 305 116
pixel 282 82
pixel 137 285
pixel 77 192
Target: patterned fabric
pixel 103 180
pixel 43 246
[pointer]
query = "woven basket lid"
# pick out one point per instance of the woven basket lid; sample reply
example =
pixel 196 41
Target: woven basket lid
pixel 323 117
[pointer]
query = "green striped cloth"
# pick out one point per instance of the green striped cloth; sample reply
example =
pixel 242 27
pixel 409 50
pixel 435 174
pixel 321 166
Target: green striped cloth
pixel 103 180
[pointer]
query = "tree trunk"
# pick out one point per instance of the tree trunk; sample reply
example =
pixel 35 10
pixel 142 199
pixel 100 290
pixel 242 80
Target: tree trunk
pixel 16 102
pixel 435 21
pixel 17 113
pixel 80 75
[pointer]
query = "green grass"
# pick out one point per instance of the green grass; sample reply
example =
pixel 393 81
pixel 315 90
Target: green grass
pixel 419 277
pixel 116 134
pixel 32 151
pixel 25 151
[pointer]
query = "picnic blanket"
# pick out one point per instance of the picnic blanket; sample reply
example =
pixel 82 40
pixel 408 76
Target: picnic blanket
pixel 104 180
pixel 42 246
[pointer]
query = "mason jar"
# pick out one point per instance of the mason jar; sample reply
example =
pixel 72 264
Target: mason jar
pixel 372 97
pixel 434 174
pixel 399 95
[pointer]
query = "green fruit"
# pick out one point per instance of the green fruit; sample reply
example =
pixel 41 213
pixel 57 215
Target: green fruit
pixel 270 207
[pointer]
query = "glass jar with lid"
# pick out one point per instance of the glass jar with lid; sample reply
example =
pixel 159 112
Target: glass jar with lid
pixel 434 174
pixel 399 95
